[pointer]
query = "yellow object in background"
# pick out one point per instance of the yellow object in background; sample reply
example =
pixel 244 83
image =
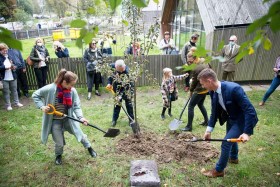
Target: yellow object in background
pixel 74 33
pixel 58 35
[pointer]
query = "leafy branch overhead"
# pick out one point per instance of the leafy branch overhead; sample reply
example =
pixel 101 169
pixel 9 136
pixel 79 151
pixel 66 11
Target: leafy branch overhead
pixel 261 38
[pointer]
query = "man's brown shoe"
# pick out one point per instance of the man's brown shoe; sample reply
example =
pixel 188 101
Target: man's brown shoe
pixel 213 173
pixel 233 161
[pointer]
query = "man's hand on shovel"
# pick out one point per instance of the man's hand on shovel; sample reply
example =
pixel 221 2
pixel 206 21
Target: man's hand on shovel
pixel 207 135
pixel 244 137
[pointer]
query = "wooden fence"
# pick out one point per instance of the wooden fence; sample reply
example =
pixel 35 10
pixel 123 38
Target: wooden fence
pixel 76 65
pixel 154 68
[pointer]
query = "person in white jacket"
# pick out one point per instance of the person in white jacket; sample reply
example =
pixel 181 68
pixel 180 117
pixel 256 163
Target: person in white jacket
pixel 167 44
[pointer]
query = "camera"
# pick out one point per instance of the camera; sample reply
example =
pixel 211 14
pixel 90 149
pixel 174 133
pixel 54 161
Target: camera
pixel 59 48
pixel 278 73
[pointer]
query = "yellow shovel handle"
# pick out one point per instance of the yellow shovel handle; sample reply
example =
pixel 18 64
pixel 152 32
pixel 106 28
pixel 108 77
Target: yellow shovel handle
pixel 110 89
pixel 53 111
pixel 235 140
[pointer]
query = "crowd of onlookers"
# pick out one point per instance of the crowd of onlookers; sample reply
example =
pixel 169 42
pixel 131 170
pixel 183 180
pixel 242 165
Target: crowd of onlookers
pixel 229 103
pixel 13 66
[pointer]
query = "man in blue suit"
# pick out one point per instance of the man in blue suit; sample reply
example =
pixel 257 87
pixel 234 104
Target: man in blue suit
pixel 229 104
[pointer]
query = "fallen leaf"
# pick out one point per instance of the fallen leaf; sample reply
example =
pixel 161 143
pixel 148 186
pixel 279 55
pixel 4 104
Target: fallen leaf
pixel 278 174
pixel 260 149
pixel 203 170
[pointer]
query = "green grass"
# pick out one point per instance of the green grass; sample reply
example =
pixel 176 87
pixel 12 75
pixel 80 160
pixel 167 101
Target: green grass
pixel 74 51
pixel 24 161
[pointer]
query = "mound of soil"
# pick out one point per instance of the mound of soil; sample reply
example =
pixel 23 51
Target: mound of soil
pixel 167 148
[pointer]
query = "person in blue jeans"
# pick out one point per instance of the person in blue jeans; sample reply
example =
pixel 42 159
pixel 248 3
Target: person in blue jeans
pixel 275 82
pixel 229 103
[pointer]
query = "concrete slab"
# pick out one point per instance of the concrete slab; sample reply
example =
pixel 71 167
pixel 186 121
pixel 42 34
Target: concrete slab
pixel 144 173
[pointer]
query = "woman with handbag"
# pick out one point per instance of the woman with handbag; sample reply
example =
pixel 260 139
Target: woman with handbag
pixel 40 57
pixel 169 89
pixel 275 82
pixel 92 56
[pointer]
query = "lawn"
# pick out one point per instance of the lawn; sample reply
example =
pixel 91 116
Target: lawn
pixel 24 161
pixel 74 51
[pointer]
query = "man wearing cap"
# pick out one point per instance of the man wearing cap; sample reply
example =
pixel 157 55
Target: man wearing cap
pixel 185 50
pixel 167 44
pixel 229 52
pixel 120 83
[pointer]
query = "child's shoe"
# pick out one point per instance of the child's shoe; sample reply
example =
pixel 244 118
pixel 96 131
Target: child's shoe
pixel 162 116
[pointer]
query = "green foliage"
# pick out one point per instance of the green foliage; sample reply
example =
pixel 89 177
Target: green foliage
pixel 91 10
pixel 200 51
pixel 78 23
pixel 59 7
pixel 156 1
pixel 267 44
pixel 221 45
pixel 272 14
pixel 187 68
pixel 21 16
pixel 125 22
pixel 139 3
pixel 26 6
pixel 7 9
pixel 7 38
pixel 114 3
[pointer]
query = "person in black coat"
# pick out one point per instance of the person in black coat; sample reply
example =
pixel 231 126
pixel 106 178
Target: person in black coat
pixel 40 56
pixel 92 57
pixel 119 82
pixel 16 57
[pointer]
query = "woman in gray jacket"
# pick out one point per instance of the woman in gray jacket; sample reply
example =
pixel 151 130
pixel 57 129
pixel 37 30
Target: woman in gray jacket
pixel 64 97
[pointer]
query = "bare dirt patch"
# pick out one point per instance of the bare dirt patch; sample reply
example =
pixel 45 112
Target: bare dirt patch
pixel 167 148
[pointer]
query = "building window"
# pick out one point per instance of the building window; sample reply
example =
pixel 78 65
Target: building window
pixel 187 21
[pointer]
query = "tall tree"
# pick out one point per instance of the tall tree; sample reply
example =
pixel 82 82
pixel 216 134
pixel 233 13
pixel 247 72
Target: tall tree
pixel 59 7
pixel 26 6
pixel 7 8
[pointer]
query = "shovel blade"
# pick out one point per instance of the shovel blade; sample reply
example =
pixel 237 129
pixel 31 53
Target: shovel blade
pixel 135 127
pixel 174 125
pixel 112 133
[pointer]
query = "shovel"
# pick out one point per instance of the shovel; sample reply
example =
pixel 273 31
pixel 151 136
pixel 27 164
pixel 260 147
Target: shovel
pixel 176 122
pixel 135 126
pixel 110 133
pixel 217 140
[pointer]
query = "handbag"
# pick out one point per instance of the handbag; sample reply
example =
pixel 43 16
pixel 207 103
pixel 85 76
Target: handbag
pixel 173 96
pixel 29 61
pixel 278 74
